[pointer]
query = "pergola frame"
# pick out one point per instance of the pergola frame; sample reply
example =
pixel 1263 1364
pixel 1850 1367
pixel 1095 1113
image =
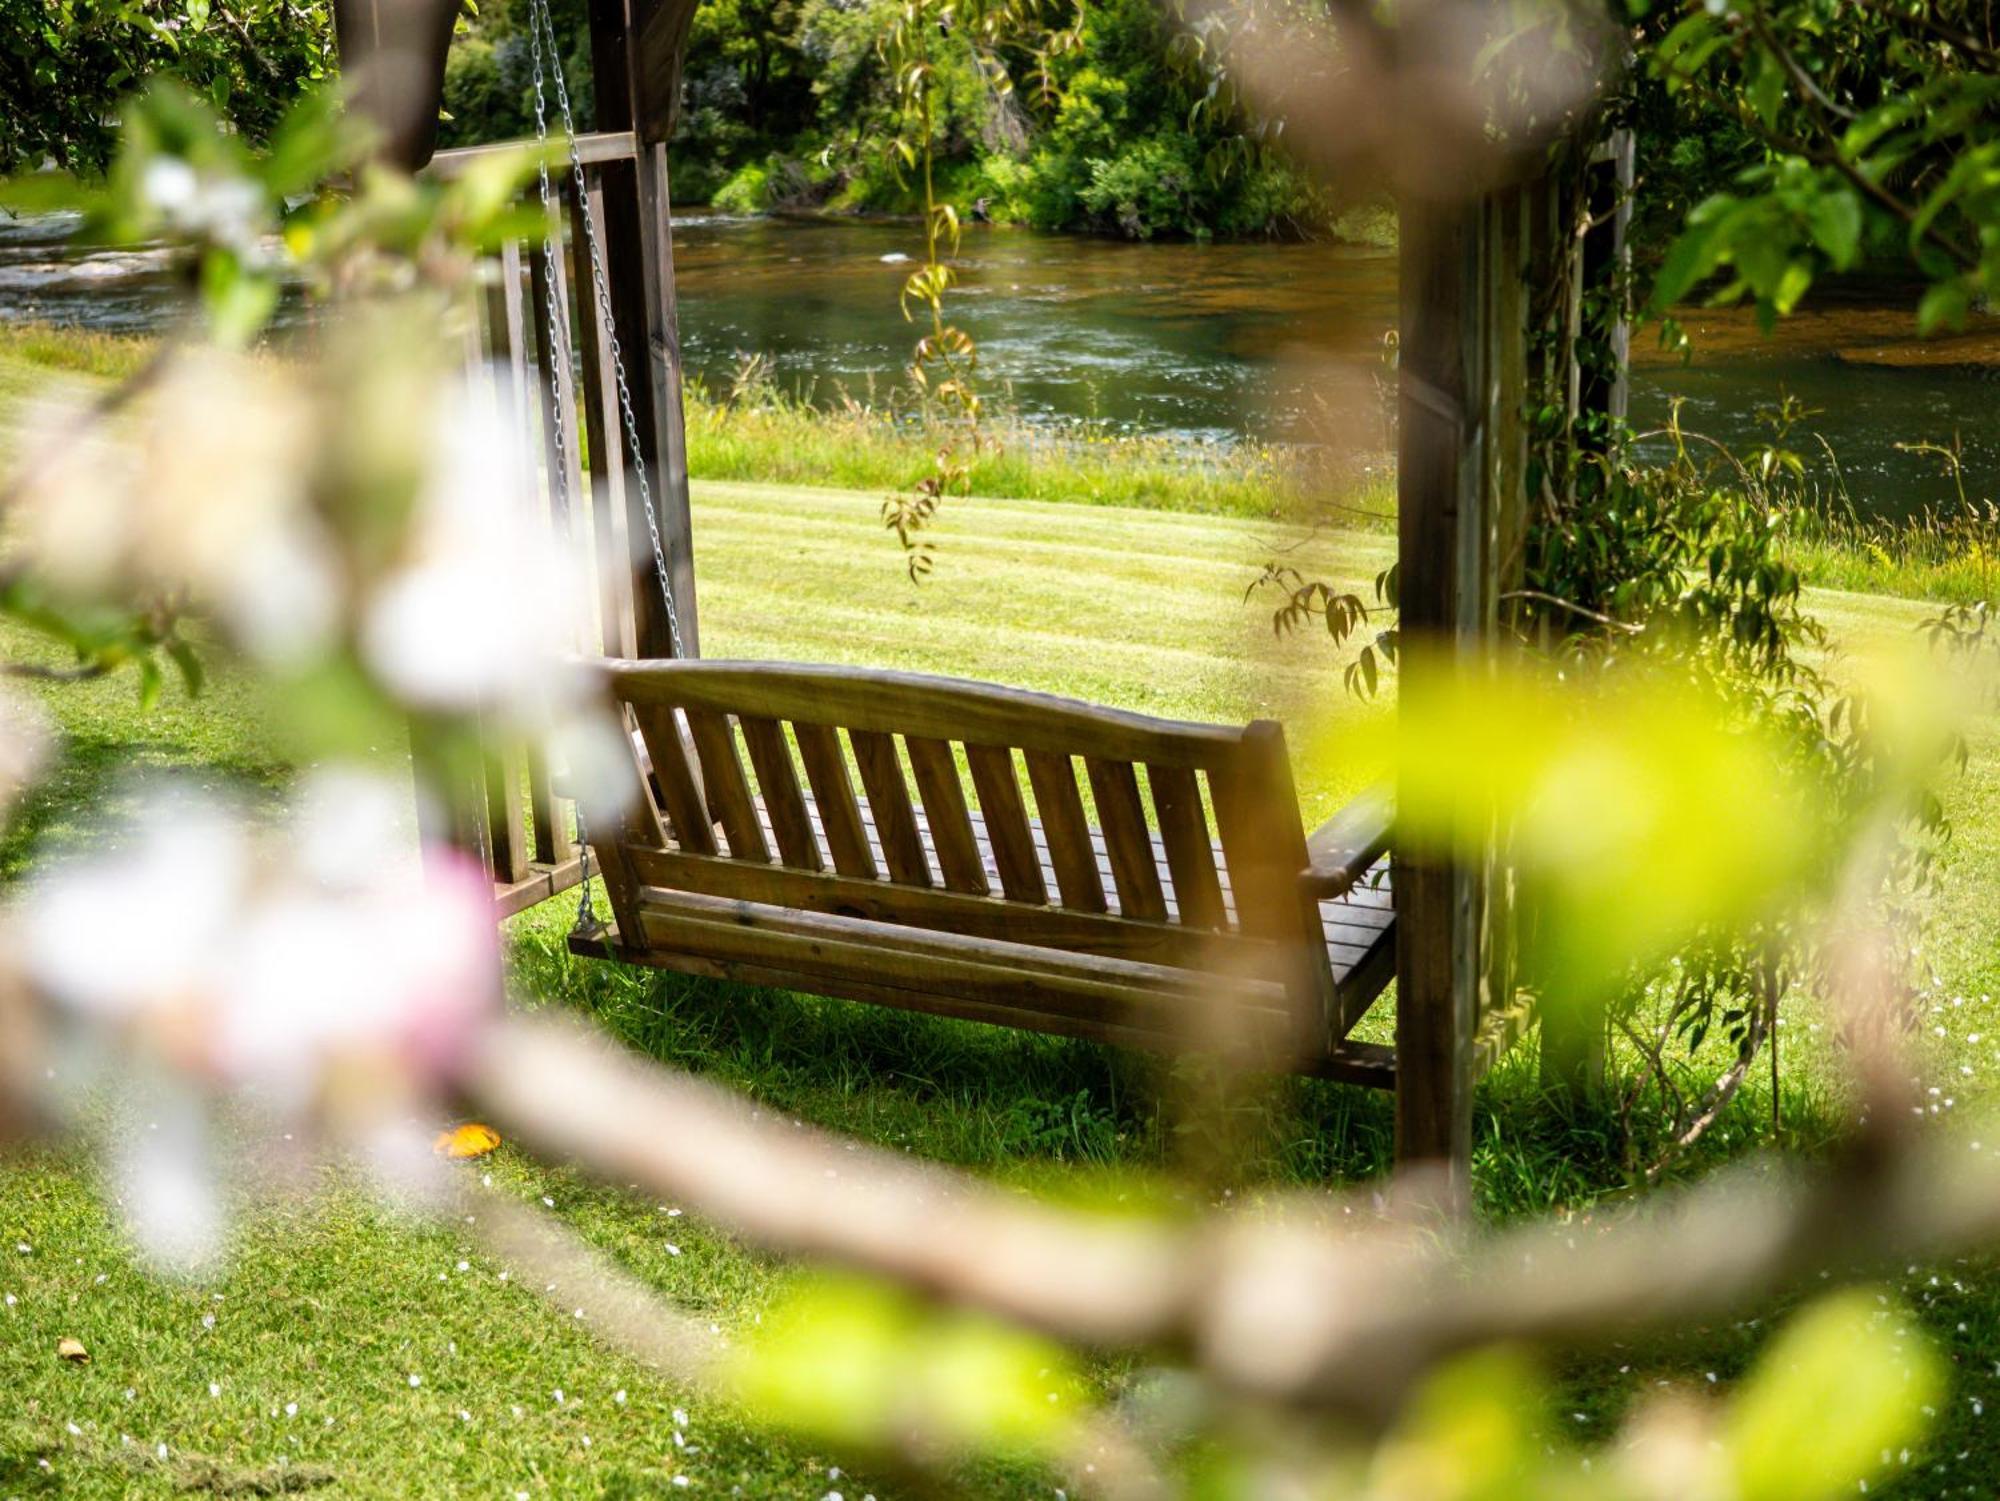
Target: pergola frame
pixel 1464 326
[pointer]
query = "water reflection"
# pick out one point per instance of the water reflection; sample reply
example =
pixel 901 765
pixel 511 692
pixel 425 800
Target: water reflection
pixel 1208 342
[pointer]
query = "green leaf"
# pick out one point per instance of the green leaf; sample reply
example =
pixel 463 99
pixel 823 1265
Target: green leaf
pixel 1835 221
pixel 1767 91
pixel 1945 305
pixel 1845 1383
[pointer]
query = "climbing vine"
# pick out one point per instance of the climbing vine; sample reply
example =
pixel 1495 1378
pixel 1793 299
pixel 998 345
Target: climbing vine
pixel 944 363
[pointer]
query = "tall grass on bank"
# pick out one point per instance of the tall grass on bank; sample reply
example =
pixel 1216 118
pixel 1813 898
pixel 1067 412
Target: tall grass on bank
pixel 1949 553
pixel 757 433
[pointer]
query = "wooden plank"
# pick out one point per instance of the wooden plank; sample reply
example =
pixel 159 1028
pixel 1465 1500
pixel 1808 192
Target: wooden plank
pixel 1189 854
pixel 929 1001
pixel 953 911
pixel 680 788
pixel 1350 843
pixel 910 703
pixel 1004 813
pixel 506 825
pixel 945 812
pixel 1257 813
pixel 548 813
pixel 602 446
pixel 778 791
pixel 1121 814
pixel 833 950
pixel 638 269
pixel 834 801
pixel 1053 777
pixel 542 882
pixel 1440 536
pixel 727 787
pixel 889 806
pixel 635 829
pixel 591 145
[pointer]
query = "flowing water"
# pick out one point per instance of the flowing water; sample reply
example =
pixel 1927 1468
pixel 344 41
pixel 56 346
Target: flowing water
pixel 1210 343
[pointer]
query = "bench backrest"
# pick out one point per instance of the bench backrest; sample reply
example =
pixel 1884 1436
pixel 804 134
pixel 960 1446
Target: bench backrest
pixel 758 801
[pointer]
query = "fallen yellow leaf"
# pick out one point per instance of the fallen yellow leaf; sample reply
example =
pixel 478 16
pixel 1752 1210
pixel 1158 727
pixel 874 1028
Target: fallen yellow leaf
pixel 468 1140
pixel 69 1347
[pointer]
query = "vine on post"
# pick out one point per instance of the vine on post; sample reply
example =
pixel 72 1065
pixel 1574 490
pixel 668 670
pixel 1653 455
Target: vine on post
pixel 944 364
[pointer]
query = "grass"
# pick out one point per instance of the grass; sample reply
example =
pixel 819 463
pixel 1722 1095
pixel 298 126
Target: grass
pixel 760 434
pixel 332 1303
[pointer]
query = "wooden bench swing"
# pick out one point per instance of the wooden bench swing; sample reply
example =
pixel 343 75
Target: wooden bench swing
pixel 963 874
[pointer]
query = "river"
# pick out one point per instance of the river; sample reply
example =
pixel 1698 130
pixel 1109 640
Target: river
pixel 1203 342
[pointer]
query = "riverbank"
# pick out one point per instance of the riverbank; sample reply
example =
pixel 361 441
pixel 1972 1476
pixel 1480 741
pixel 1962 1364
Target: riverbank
pixel 760 435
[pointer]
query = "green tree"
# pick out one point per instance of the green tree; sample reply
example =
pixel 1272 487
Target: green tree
pixel 66 66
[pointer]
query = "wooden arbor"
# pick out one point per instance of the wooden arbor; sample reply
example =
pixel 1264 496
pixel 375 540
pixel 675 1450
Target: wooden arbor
pixel 1464 341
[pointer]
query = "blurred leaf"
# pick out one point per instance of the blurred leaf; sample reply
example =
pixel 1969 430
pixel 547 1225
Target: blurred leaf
pixel 1637 813
pixel 1474 1433
pixel 861 1364
pixel 1843 1385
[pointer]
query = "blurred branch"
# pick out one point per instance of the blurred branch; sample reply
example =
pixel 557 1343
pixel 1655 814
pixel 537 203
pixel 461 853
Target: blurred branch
pixel 1298 1305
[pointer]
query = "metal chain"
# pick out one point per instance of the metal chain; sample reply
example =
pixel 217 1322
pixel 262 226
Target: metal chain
pixel 539 12
pixel 541 24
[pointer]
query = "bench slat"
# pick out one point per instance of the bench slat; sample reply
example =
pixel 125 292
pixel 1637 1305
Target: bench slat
pixel 1184 835
pixel 1005 816
pixel 687 810
pixel 834 801
pixel 889 805
pixel 728 788
pixel 1054 780
pixel 1121 813
pixel 949 820
pixel 778 783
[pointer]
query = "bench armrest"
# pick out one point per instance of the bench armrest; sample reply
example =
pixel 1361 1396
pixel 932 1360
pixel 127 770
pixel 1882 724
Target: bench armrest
pixel 1343 849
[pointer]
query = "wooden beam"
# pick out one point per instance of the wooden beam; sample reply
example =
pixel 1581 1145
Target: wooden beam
pixel 639 267
pixel 392 53
pixel 1440 572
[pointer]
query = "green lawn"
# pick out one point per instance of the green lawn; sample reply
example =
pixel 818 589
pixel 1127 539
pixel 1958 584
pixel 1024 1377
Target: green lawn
pixel 333 1305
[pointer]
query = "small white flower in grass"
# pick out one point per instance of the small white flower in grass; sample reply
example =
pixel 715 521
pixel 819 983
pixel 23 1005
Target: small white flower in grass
pixel 215 1388
pixel 465 1266
pixel 673 1214
pixel 24 1248
pixel 681 1481
pixel 586 1441
pixel 291 1409
pixel 559 1396
pixel 680 1439
pixel 464 1416
pixel 619 1396
pixel 161 1451
pixel 208 1321
pixel 12 1300
pixel 74 1429
pixel 415 1380
pixel 551 1203
pixel 680 1417
pixel 672 1249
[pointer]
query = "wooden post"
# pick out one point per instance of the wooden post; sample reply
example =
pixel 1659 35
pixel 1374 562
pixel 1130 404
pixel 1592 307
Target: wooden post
pixel 635 50
pixel 1573 1037
pixel 1439 492
pixel 1462 531
pixel 392 56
